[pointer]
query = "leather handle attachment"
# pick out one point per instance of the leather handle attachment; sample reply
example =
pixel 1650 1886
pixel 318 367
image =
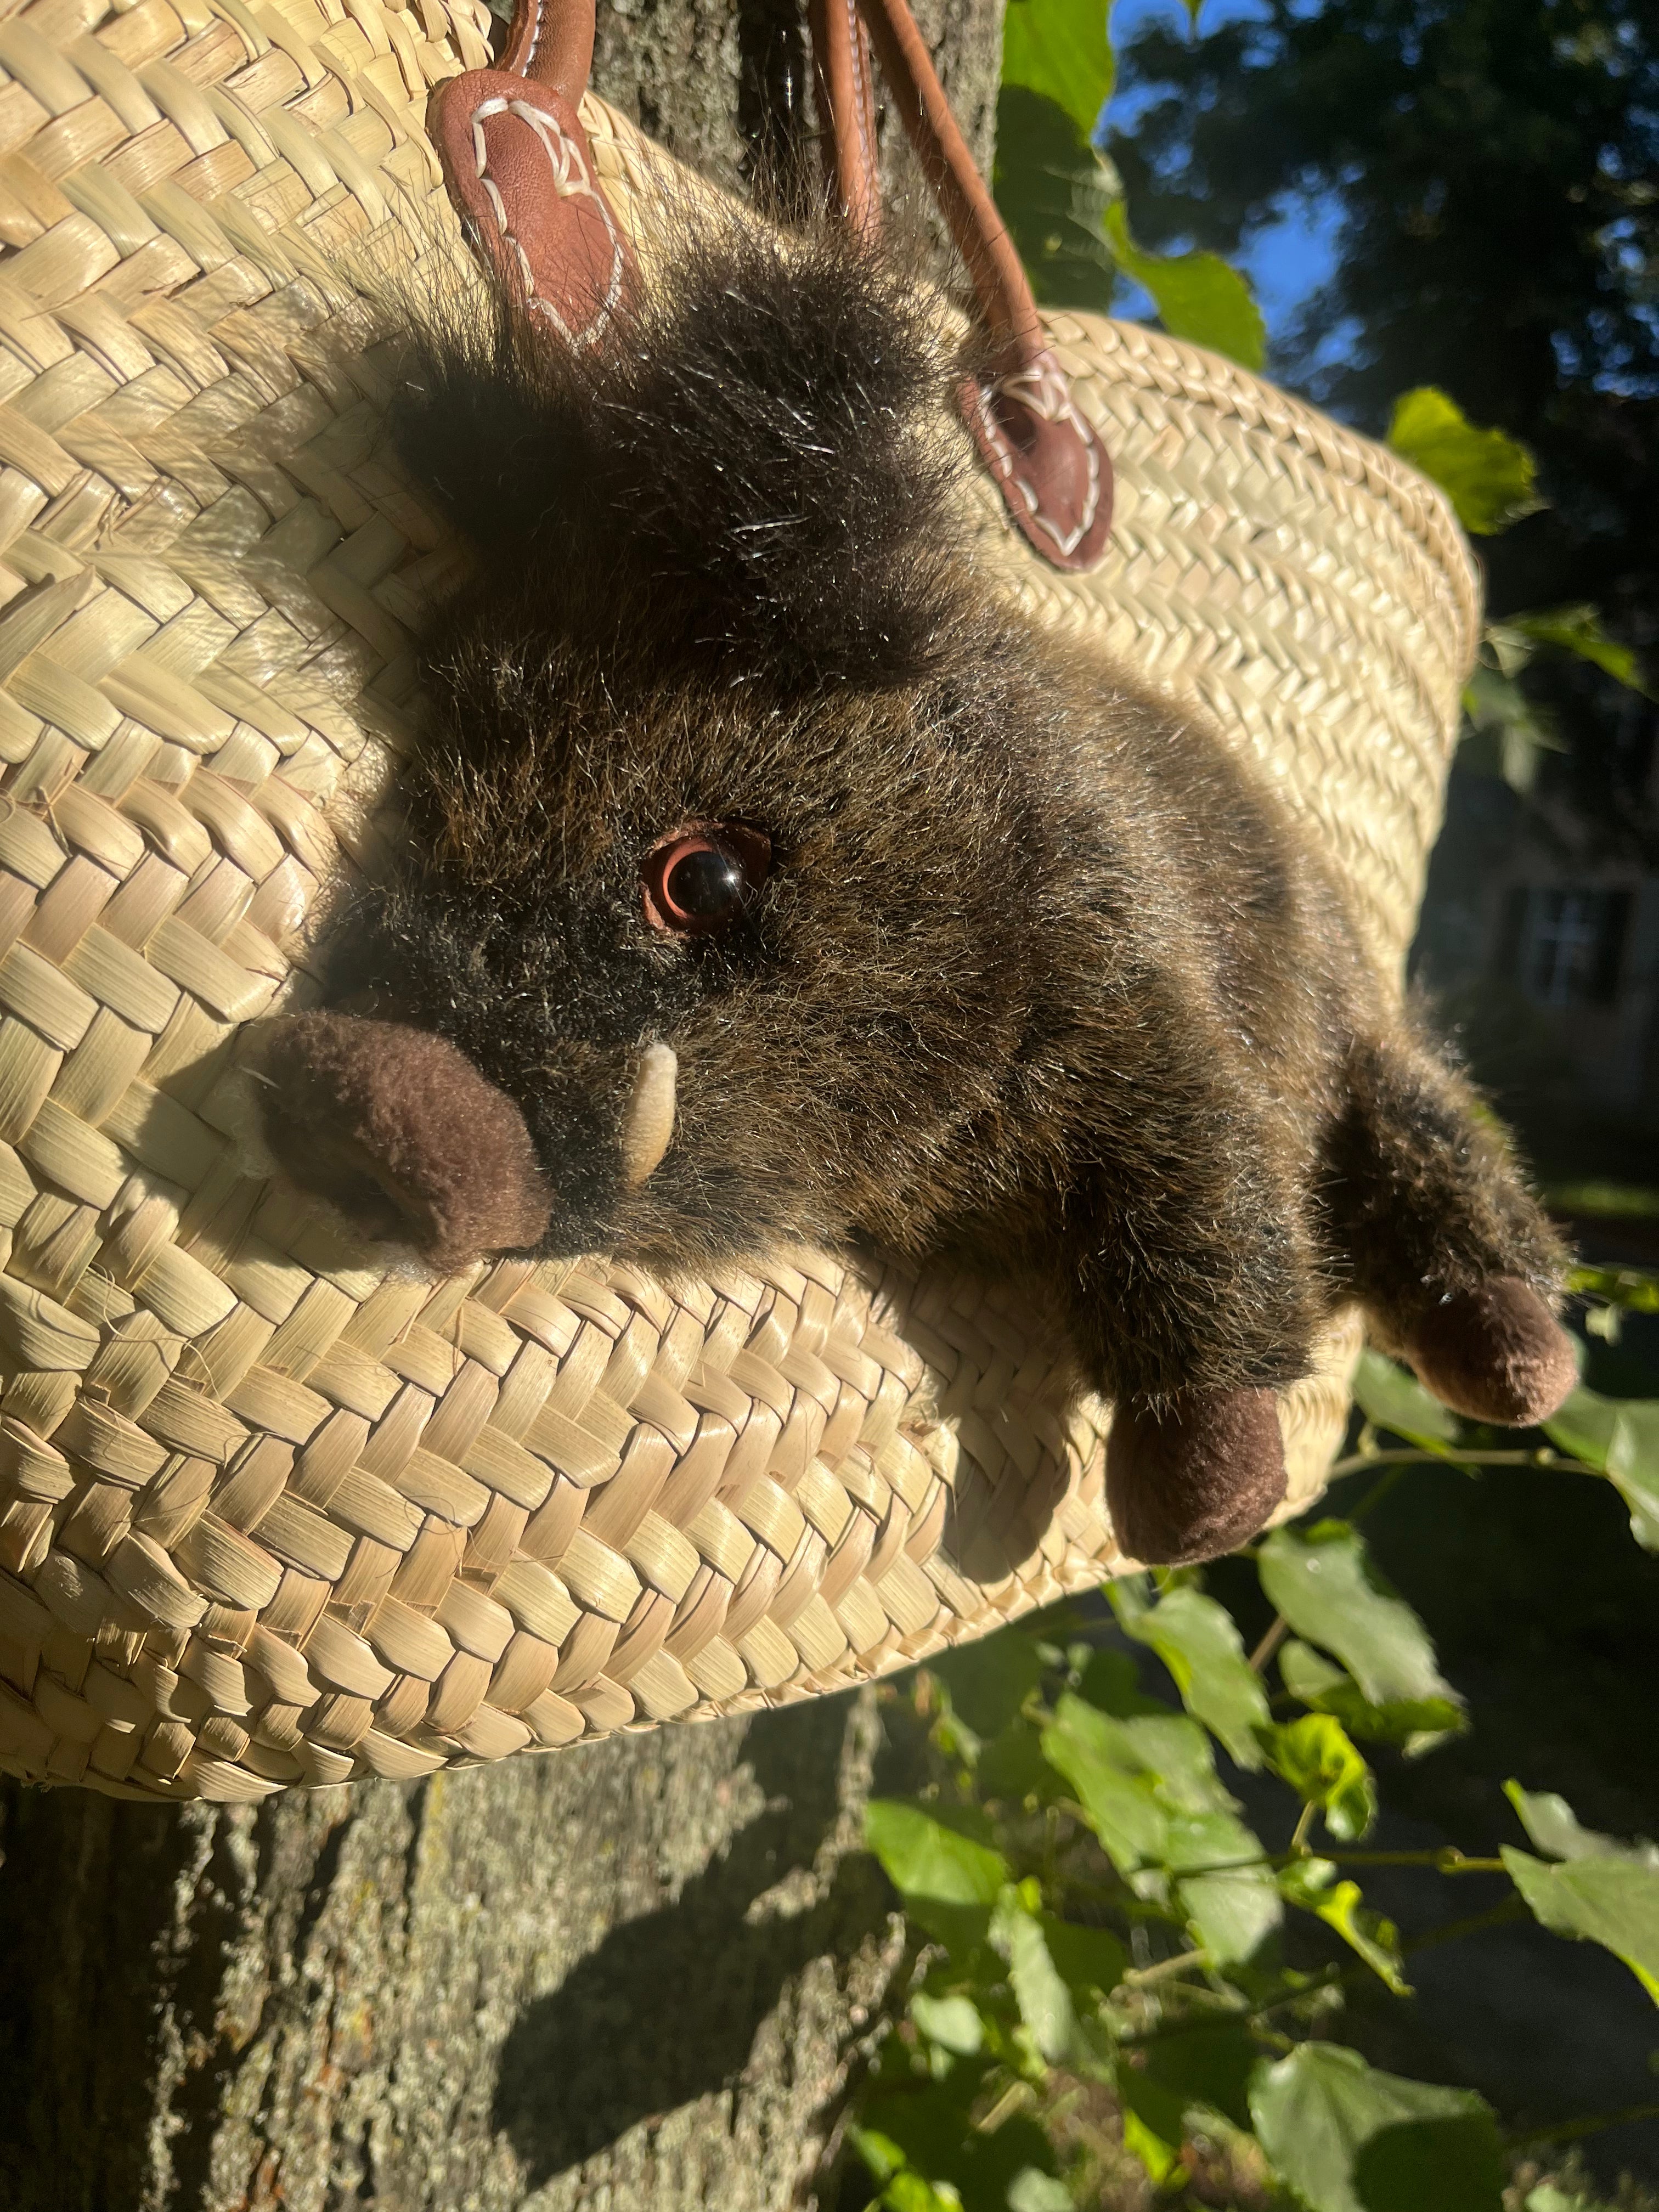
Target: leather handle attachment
pixel 520 170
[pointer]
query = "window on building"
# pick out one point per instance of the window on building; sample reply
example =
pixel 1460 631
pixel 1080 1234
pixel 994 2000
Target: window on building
pixel 1564 946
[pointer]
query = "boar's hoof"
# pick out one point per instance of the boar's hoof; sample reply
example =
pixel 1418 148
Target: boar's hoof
pixel 1196 1480
pixel 399 1132
pixel 1495 1353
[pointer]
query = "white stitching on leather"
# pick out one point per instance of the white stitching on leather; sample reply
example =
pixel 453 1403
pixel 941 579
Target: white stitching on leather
pixel 1042 386
pixel 570 181
pixel 534 36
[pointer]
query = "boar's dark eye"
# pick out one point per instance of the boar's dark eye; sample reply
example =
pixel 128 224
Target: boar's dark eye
pixel 702 877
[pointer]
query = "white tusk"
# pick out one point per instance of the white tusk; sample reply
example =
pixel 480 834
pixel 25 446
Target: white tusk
pixel 648 1124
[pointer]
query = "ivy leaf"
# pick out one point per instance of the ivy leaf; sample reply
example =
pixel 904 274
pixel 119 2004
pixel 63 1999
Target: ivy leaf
pixel 1349 2138
pixel 1489 478
pixel 1112 1786
pixel 1321 1580
pixel 920 2138
pixel 1507 734
pixel 1415 1723
pixel 1619 1437
pixel 1583 1424
pixel 1053 190
pixel 948 1881
pixel 1197 296
pixel 1199 1642
pixel 1059 50
pixel 1311 1885
pixel 952 2022
pixel 1633 1466
pixel 1040 1991
pixel 1205 2068
pixel 988 1682
pixel 1033 2191
pixel 1551 1824
pixel 1315 1756
pixel 1231 1910
pixel 1392 1398
pixel 1092 1960
pixel 1604 1891
pixel 1578 630
pixel 1613 1901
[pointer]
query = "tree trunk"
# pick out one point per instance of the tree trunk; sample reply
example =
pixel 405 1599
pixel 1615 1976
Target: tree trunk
pixel 629 1972
pixel 626 1975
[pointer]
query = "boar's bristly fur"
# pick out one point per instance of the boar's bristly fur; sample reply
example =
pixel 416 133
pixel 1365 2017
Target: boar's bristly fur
pixel 1041 975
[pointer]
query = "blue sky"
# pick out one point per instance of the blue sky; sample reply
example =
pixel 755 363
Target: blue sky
pixel 1287 259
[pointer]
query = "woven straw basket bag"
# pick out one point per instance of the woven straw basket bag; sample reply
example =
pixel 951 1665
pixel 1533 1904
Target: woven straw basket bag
pixel 270 1517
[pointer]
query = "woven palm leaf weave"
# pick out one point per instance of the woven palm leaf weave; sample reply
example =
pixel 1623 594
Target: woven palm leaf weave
pixel 269 1514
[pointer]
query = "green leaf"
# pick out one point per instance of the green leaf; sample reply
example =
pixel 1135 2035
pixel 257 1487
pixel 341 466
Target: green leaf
pixel 1200 2068
pixel 1059 50
pixel 1489 478
pixel 1507 734
pixel 1111 1681
pixel 1033 2191
pixel 988 1682
pixel 1392 1397
pixel 1321 1580
pixel 1040 1991
pixel 1229 1910
pixel 1311 1884
pixel 1348 2138
pixel 879 2152
pixel 1578 630
pixel 909 2192
pixel 952 2022
pixel 1111 1783
pixel 1619 1437
pixel 1199 1642
pixel 1053 190
pixel 948 1881
pixel 1315 1756
pixel 1551 1824
pixel 1583 1426
pixel 1091 1960
pixel 1633 1466
pixel 1416 1723
pixel 1613 1901
pixel 1197 296
pixel 925 2132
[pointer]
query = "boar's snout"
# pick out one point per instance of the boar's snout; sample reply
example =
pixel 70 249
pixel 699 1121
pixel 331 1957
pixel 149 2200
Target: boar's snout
pixel 401 1134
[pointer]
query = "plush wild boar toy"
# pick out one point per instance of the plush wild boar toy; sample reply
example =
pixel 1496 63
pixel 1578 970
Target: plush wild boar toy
pixel 768 880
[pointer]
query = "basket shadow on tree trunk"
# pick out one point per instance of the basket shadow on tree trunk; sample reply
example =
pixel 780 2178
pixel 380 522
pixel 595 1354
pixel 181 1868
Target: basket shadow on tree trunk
pixel 638 1968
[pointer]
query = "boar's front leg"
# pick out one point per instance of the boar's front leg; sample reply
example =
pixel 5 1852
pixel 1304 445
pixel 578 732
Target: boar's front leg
pixel 1195 1293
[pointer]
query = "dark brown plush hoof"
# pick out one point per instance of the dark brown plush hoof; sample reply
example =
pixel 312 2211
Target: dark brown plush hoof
pixel 1196 1481
pixel 1496 1354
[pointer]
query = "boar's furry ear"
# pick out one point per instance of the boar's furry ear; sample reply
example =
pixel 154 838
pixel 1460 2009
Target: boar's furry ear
pixel 756 436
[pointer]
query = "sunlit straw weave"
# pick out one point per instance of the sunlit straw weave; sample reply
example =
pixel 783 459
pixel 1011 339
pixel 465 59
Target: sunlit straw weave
pixel 264 1516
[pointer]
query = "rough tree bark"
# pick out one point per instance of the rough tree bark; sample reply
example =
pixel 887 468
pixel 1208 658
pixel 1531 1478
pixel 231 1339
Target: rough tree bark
pixel 625 1976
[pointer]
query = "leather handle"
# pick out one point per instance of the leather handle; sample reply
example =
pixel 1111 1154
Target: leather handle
pixel 551 42
pixel 1055 474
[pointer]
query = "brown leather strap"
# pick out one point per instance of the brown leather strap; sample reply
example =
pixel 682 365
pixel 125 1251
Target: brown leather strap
pixel 520 170
pixel 1055 474
pixel 846 106
pixel 551 41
